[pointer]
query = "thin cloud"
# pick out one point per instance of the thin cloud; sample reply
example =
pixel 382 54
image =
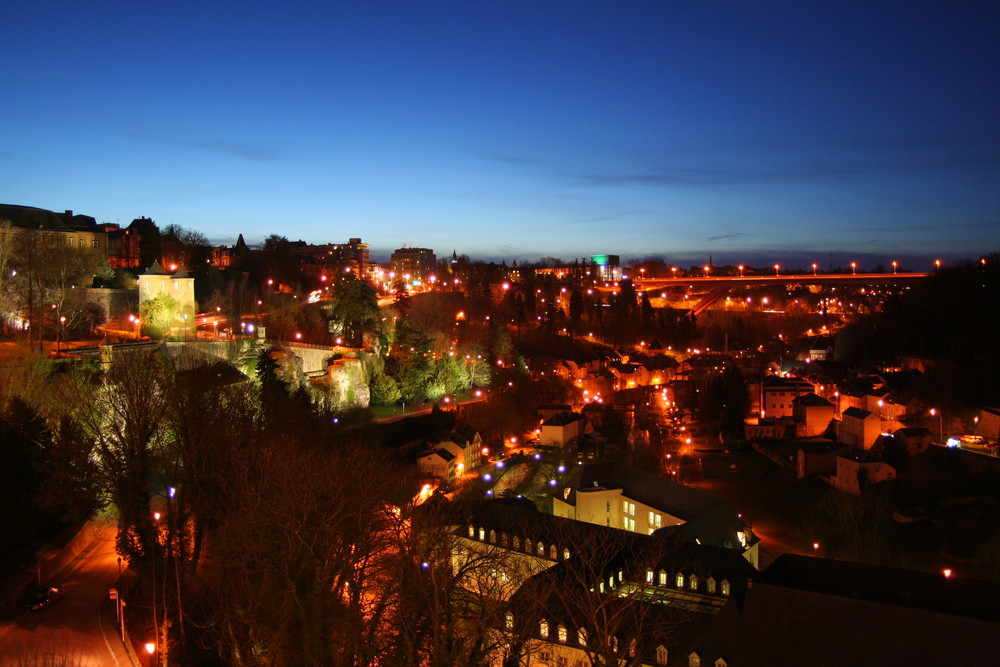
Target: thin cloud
pixel 732 235
pixel 245 150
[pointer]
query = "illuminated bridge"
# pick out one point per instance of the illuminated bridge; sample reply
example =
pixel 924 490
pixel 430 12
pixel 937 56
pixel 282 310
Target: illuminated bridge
pixel 719 286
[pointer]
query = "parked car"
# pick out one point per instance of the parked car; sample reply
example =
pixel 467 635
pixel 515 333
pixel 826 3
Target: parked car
pixel 45 597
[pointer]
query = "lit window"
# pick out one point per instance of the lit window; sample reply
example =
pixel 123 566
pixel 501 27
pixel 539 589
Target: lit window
pixel 694 660
pixel 680 580
pixel 517 543
pixel 661 655
pixel 581 636
pixel 482 534
pixel 563 636
pixel 710 585
pixel 649 576
pixel 693 582
pixel 725 587
pixel 541 550
pixel 663 578
pixel 472 531
pixel 543 628
pixel 509 621
pixel 565 554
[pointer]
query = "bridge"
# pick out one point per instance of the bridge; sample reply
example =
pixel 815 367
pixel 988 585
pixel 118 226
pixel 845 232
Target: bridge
pixel 719 286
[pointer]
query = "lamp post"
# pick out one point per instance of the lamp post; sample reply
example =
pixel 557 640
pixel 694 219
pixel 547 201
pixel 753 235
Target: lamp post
pixel 854 268
pixel 894 265
pixel 814 268
pixel 777 269
pixel 151 650
pixel 740 267
pixel 940 416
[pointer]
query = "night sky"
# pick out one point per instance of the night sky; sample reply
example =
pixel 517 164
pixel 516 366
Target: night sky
pixel 754 131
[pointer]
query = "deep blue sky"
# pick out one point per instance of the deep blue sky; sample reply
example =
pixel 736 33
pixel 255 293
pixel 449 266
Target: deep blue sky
pixel 748 130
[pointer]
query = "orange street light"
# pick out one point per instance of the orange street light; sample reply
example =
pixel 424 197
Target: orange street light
pixel 814 268
pixel 740 267
pixel 777 268
pixel 854 268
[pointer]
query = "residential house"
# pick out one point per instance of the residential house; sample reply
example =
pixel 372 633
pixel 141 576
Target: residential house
pixel 812 415
pixel 859 428
pixel 858 468
pixel 619 496
pixel 777 394
pixel 562 429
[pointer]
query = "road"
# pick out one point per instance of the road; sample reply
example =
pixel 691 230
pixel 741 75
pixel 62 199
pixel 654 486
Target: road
pixel 79 630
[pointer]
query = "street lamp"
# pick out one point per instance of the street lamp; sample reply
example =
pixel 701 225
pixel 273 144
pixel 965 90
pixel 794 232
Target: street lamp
pixel 151 649
pixel 937 264
pixel 894 265
pixel 854 268
pixel 814 268
pixel 940 417
pixel 777 268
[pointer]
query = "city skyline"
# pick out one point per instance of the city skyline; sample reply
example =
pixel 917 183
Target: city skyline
pixel 506 131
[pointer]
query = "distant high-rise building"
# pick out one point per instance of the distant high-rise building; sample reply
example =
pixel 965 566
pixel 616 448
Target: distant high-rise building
pixel 418 263
pixel 606 267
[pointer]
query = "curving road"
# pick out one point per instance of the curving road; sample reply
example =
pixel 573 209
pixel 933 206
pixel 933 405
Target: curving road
pixel 79 630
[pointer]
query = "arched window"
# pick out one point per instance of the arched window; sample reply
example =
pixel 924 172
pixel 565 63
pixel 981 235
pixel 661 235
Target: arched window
pixel 563 635
pixel 611 582
pixel 543 629
pixel 661 655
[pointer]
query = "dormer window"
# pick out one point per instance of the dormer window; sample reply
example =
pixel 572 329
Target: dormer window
pixel 565 554
pixel 661 655
pixel 541 550
pixel 649 576
pixel 710 585
pixel 563 635
pixel 694 660
pixel 553 552
pixel 543 629
pixel 693 582
pixel 663 578
pixel 517 543
pixel 680 580
pixel 493 537
pixel 725 587
pixel 472 531
pixel 482 534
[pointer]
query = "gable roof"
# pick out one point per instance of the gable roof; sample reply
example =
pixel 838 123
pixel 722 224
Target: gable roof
pixel 857 413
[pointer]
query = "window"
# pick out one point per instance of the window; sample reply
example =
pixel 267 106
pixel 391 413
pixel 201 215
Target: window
pixel 527 547
pixel 509 621
pixel 503 539
pixel 680 580
pixel 541 550
pixel 663 578
pixel 611 582
pixel 649 576
pixel 543 656
pixel 725 587
pixel 82 243
pixel 517 543
pixel 694 660
pixel 493 537
pixel 661 655
pixel 553 552
pixel 563 636
pixel 565 554
pixel 581 636
pixel 629 523
pixel 602 587
pixel 720 663
pixel 482 534
pixel 95 244
pixel 543 629
pixel 710 585
pixel 472 531
pixel 693 582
